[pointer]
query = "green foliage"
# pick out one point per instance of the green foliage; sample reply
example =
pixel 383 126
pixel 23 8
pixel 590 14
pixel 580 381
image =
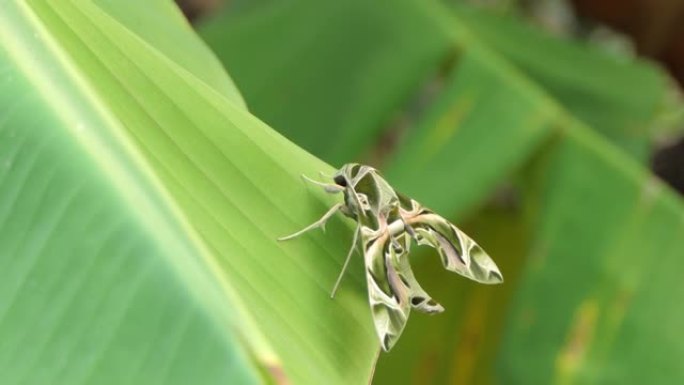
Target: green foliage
pixel 139 208
pixel 343 71
pixel 615 96
pixel 553 133
pixel 141 196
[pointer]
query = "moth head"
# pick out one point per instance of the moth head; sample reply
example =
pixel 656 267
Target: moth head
pixel 340 180
pixel 344 176
pixel 348 177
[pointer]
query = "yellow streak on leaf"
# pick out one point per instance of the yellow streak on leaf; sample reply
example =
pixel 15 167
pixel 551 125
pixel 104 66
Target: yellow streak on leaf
pixel 445 128
pixel 578 341
pixel 470 338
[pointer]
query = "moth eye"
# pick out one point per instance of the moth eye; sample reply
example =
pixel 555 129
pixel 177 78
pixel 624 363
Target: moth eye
pixel 415 301
pixel 340 181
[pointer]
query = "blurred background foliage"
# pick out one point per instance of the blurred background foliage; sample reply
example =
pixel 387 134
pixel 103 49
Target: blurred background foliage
pixel 141 192
pixel 532 124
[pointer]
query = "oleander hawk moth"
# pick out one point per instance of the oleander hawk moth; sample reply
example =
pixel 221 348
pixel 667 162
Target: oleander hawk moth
pixel 386 223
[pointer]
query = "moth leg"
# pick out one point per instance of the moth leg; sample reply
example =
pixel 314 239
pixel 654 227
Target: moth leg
pixel 359 204
pixel 346 261
pixel 328 187
pixel 395 244
pixel 319 223
pixel 410 231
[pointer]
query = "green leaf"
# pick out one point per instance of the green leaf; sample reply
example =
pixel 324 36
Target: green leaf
pixel 596 222
pixel 482 117
pixel 485 93
pixel 460 345
pixel 365 69
pixel 592 244
pixel 175 39
pixel 617 96
pixel 597 297
pixel 139 208
pixel 96 277
pixel 346 68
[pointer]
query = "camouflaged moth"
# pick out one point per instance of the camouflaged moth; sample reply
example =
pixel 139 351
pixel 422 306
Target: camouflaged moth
pixel 386 222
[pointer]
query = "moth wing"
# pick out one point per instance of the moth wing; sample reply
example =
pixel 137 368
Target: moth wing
pixel 459 253
pixel 387 294
pixel 420 300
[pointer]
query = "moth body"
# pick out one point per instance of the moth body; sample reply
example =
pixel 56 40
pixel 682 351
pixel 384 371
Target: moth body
pixel 387 223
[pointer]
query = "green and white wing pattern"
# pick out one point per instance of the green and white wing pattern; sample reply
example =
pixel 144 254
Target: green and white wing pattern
pixel 392 287
pixel 459 253
pixel 420 300
pixel 387 223
pixel 387 293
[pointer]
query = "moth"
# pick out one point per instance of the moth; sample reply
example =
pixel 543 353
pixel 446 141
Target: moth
pixel 386 224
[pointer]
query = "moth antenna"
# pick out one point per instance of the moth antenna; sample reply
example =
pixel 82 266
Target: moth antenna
pixel 329 187
pixel 324 175
pixel 410 231
pixel 307 179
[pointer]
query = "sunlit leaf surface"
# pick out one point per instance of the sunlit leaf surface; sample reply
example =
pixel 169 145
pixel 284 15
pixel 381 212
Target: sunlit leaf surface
pixel 140 203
